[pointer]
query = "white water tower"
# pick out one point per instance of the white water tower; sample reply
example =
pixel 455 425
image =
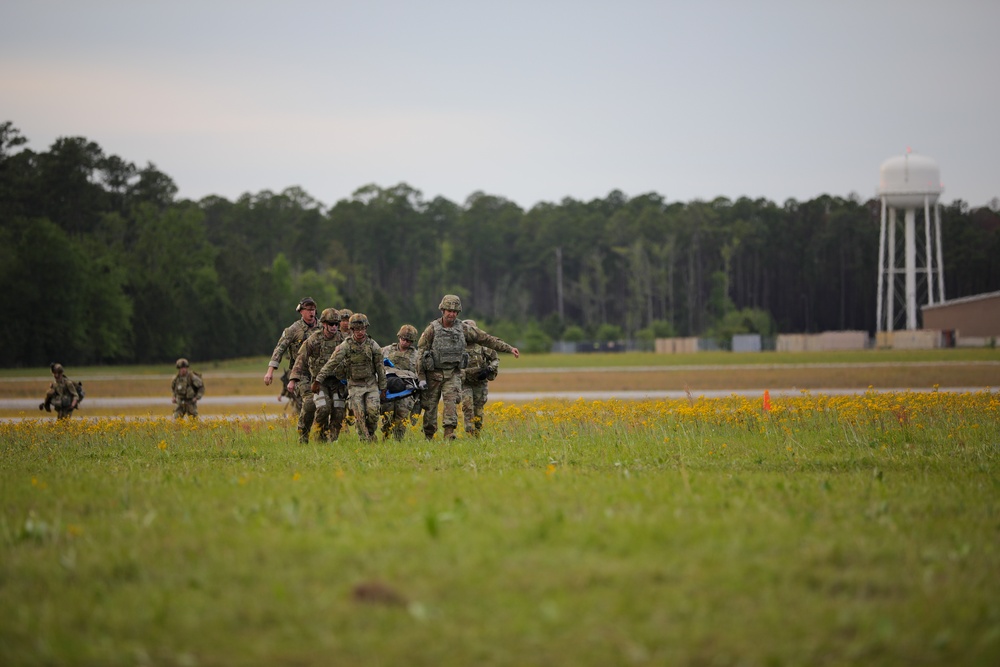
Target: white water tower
pixel 909 183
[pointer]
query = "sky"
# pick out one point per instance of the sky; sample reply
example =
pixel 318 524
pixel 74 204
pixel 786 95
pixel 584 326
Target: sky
pixel 531 101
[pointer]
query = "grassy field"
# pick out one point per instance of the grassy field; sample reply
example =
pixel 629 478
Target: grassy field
pixel 824 531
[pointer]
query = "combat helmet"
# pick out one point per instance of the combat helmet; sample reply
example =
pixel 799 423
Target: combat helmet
pixel 56 368
pixel 345 313
pixel 182 363
pixel 359 320
pixel 306 301
pixel 330 316
pixel 408 332
pixel 450 302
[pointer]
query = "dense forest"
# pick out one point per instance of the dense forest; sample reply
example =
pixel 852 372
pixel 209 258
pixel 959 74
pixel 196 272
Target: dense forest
pixel 102 263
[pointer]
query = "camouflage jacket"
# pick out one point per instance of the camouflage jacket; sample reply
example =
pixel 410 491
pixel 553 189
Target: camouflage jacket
pixel 403 360
pixel 315 352
pixel 60 388
pixel 480 358
pixel 359 363
pixel 291 340
pixel 188 387
pixel 472 335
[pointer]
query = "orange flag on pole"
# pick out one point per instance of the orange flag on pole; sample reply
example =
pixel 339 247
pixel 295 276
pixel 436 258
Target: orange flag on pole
pixel 767 401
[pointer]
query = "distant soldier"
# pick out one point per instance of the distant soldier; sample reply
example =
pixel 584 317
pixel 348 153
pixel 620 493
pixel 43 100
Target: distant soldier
pixel 484 364
pixel 396 414
pixel 188 388
pixel 63 394
pixel 290 342
pixel 358 360
pixel 345 321
pixel 318 407
pixel 442 358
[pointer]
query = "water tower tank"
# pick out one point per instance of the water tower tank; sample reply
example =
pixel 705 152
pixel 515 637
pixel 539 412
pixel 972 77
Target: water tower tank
pixel 907 180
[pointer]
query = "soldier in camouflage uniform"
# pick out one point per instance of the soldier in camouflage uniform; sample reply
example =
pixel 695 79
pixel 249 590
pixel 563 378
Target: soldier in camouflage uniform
pixel 62 393
pixel 442 358
pixel 315 352
pixel 290 342
pixel 359 360
pixel 188 388
pixel 345 321
pixel 403 355
pixel 484 364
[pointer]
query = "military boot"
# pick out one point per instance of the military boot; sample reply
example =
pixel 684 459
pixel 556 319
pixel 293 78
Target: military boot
pixel 449 432
pixel 303 436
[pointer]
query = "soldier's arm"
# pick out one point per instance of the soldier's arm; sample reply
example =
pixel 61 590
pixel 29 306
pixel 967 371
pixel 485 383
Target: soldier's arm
pixel 199 386
pixel 327 371
pixel 426 338
pixel 491 342
pixel 379 367
pixel 300 369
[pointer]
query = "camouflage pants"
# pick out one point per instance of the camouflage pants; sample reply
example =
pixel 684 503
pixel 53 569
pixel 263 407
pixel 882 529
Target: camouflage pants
pixel 473 400
pixel 185 408
pixel 446 385
pixel 327 417
pixel 396 416
pixel 365 404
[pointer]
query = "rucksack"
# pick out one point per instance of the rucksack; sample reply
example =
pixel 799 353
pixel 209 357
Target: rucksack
pixel 80 393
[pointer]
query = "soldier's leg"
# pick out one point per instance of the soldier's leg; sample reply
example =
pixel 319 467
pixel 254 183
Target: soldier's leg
pixel 179 410
pixel 323 418
pixel 468 410
pixel 373 408
pixel 404 407
pixel 430 398
pixel 307 415
pixel 451 395
pixel 479 404
pixel 356 405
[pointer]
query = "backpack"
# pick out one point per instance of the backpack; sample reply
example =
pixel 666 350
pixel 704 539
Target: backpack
pixel 80 393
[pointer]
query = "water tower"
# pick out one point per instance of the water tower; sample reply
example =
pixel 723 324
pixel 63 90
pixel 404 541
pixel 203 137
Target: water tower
pixel 909 183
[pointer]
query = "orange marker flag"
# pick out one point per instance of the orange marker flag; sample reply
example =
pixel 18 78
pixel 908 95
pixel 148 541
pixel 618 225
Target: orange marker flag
pixel 767 401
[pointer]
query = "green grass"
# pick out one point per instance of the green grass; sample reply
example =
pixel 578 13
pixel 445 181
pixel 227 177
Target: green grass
pixel 597 360
pixel 861 530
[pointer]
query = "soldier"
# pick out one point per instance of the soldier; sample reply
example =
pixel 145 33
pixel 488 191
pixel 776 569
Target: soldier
pixel 345 321
pixel 62 393
pixel 315 352
pixel 290 341
pixel 188 388
pixel 442 358
pixel 359 360
pixel 403 355
pixel 482 369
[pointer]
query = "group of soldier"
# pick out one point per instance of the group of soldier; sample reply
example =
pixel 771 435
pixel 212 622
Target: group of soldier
pixel 338 374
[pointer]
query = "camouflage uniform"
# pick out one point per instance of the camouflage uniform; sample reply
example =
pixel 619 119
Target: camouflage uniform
pixel 290 342
pixel 188 388
pixel 482 369
pixel 62 393
pixel 315 352
pixel 442 358
pixel 396 413
pixel 360 363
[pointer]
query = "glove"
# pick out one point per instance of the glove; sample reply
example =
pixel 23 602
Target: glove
pixel 422 384
pixel 483 374
pixel 381 395
pixel 315 387
pixel 41 406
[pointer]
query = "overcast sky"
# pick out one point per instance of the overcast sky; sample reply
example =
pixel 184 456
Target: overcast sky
pixel 532 101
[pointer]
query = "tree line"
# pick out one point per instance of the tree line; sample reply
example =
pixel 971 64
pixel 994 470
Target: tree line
pixel 102 263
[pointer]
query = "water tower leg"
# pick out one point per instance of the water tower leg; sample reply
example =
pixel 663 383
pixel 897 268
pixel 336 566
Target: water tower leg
pixel 940 261
pixel 928 254
pixel 910 239
pixel 881 273
pixel 890 288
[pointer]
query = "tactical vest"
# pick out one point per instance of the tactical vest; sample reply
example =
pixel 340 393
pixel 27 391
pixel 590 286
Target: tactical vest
pixel 448 348
pixel 406 361
pixel 324 352
pixel 302 332
pixel 359 361
pixel 477 359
